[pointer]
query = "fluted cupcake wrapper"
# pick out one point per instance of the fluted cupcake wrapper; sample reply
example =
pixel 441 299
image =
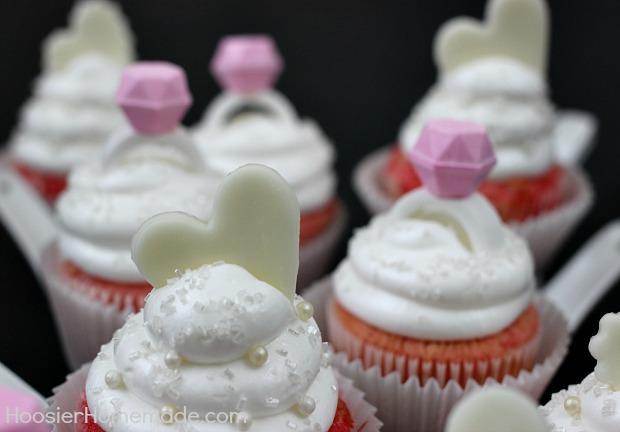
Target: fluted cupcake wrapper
pixel 544 233
pixel 315 256
pixel 523 357
pixel 547 232
pixel 411 406
pixel 85 317
pixel 65 398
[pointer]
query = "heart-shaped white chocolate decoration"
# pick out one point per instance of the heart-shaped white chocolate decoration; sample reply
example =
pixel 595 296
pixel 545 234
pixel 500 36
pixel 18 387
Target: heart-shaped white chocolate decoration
pixel 511 28
pixel 255 224
pixel 94 26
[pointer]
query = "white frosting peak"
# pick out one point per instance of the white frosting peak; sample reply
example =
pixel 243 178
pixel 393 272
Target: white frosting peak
pixel 592 406
pixel 436 269
pixel 507 98
pixel 215 314
pixel 238 313
pixel 70 116
pixel 106 203
pixel 264 128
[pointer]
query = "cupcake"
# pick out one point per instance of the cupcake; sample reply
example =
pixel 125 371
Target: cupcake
pixel 149 167
pixel 436 296
pixel 72 111
pixel 594 404
pixel 250 122
pixel 223 343
pixel 494 74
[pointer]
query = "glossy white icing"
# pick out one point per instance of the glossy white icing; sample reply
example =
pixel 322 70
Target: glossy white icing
pixel 506 97
pixel 598 408
pixel 263 127
pixel 70 115
pixel 106 202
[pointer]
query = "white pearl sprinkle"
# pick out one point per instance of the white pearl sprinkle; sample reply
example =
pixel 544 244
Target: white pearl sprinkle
pixel 113 379
pixel 258 355
pixel 244 421
pixel 572 405
pixel 166 414
pixel 305 310
pixel 306 406
pixel 172 359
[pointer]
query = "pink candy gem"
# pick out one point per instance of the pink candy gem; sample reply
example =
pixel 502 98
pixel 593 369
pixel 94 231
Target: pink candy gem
pixel 154 96
pixel 452 157
pixel 246 63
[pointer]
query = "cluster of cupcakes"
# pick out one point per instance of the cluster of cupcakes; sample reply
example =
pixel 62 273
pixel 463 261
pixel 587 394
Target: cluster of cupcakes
pixel 179 251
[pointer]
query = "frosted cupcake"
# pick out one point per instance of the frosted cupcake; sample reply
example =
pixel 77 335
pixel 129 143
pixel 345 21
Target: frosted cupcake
pixel 494 74
pixel 147 168
pixel 224 337
pixel 436 296
pixel 250 122
pixel 594 404
pixel 72 111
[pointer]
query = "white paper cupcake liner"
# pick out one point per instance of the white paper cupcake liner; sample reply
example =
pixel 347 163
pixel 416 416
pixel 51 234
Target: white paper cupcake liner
pixel 523 357
pixel 545 233
pixel 315 257
pixel 410 406
pixel 66 396
pixel 84 319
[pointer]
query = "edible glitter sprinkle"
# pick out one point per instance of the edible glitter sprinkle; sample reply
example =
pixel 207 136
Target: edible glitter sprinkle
pixel 609 407
pixel 272 402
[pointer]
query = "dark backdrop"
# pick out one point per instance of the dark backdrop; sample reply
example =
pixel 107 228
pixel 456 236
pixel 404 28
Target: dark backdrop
pixel 357 67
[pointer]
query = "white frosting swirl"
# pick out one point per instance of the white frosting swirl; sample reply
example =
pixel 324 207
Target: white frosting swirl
pixel 599 408
pixel 70 115
pixel 269 133
pixel 506 97
pixel 105 204
pixel 436 269
pixel 211 313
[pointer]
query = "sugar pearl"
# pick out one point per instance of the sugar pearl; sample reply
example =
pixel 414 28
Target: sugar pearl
pixel 306 406
pixel 305 310
pixel 172 359
pixel 258 355
pixel 572 405
pixel 166 414
pixel 113 379
pixel 244 420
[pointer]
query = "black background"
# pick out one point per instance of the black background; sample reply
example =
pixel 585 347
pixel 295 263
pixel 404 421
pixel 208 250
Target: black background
pixel 357 67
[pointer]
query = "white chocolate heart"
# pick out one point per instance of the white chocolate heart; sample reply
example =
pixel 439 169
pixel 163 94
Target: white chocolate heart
pixel 95 26
pixel 255 224
pixel 605 348
pixel 512 28
pixel 495 409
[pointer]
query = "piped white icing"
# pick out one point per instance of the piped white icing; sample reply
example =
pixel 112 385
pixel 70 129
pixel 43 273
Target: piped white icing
pixel 437 269
pixel 506 97
pixel 105 204
pixel 210 313
pixel 594 404
pixel 599 408
pixel 271 135
pixel 70 115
